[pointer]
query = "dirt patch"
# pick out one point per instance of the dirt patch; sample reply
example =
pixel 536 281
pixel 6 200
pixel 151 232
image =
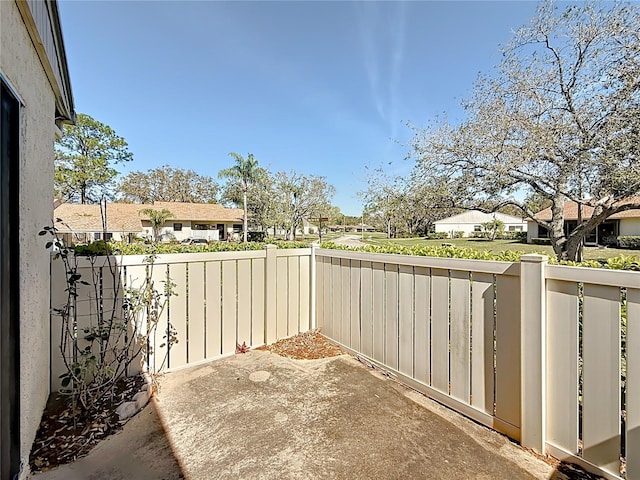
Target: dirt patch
pixel 66 434
pixel 305 346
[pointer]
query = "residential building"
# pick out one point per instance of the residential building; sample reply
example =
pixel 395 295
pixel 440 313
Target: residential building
pixel 35 101
pixel 622 223
pixel 126 221
pixel 472 220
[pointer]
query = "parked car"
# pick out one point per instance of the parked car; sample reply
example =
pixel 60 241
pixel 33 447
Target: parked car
pixel 194 241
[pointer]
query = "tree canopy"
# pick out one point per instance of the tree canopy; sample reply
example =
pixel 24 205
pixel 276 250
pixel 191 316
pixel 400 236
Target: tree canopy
pixel 560 119
pixel 167 184
pixel 300 197
pixel 243 174
pixel 85 157
pixel 157 219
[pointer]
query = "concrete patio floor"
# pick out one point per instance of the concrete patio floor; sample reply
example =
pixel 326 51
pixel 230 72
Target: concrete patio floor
pixel 258 415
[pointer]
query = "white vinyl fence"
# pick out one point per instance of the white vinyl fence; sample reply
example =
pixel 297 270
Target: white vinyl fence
pixel 220 300
pixel 549 355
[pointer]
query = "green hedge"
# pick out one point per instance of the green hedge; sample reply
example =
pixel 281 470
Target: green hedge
pixel 629 241
pixel 122 248
pixel 437 235
pixel 621 262
pixel 541 241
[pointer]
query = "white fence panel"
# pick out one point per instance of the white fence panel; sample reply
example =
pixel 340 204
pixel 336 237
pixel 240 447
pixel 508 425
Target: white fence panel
pixel 420 321
pixel 217 300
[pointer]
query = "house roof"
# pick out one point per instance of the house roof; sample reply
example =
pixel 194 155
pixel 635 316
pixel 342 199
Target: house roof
pixel 199 211
pixel 126 217
pixel 476 217
pixel 571 211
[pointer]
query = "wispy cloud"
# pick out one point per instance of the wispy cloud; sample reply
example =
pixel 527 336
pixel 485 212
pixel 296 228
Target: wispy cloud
pixel 382 29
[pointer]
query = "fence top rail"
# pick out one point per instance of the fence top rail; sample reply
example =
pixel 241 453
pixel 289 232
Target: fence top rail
pixel 169 258
pixel 478 266
pixel 293 252
pixel 613 278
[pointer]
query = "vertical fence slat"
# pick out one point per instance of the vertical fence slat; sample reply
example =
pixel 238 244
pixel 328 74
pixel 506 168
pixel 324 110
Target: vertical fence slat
pixel 460 336
pixel 113 314
pixel 482 374
pixel 282 290
pixel 354 296
pixel 135 278
pixel 58 300
pixel 160 358
pixel 244 301
pixel 229 306
pixel 601 377
pixel 336 301
pixel 213 321
pixel 633 384
pixel 391 316
pixel 257 302
pixel 378 311
pixel 328 287
pixel 270 289
pixel 422 333
pixel 440 329
pixel 178 314
pixel 366 309
pixel 345 292
pixel 293 311
pixel 405 321
pixel 508 349
pixel 196 312
pixel 320 286
pixel 304 290
pixel 562 364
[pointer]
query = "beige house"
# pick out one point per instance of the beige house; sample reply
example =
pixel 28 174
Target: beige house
pixel 35 100
pixel 621 223
pixel 125 221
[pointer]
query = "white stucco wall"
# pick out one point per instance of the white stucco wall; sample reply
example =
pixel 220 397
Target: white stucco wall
pixel 21 66
pixel 466 222
pixel 629 226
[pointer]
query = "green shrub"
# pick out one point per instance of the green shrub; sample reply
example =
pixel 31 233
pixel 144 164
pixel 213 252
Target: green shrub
pixel 629 241
pixel 123 248
pixel 541 241
pixel 437 235
pixel 616 263
pixel 256 236
pixel 457 234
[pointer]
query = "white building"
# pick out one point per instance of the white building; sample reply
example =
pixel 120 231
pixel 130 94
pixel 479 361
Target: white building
pixel 84 223
pixel 35 100
pixel 472 220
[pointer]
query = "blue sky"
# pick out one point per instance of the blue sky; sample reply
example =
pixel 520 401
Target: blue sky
pixel 323 88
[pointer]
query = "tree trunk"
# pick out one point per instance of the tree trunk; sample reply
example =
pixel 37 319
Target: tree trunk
pixel 556 234
pixel 244 216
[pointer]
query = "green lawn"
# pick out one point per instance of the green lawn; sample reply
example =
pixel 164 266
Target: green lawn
pixel 590 253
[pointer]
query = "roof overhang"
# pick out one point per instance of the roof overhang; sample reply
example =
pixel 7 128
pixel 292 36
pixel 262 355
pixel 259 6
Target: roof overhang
pixel 42 19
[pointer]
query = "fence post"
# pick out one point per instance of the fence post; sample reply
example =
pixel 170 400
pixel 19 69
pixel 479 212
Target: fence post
pixel 312 283
pixel 532 353
pixel 270 279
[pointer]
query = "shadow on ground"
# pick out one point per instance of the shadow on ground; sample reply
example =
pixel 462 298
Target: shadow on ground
pixel 261 416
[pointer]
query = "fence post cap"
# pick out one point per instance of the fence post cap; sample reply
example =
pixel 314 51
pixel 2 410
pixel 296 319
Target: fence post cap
pixel 269 246
pixel 534 258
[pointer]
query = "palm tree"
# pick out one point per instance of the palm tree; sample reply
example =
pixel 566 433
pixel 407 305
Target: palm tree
pixel 157 219
pixel 244 172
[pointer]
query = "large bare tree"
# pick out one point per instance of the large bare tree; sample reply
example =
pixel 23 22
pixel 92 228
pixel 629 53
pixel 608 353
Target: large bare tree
pixel 560 119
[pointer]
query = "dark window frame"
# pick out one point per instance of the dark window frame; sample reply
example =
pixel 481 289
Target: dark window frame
pixel 9 282
pixel 177 227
